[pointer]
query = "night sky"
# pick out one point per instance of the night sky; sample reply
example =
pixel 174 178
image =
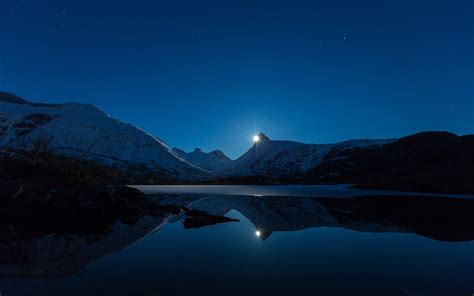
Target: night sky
pixel 211 73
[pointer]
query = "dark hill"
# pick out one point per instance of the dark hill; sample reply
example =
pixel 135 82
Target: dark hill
pixel 427 161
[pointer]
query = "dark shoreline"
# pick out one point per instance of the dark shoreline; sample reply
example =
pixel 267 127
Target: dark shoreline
pixel 65 193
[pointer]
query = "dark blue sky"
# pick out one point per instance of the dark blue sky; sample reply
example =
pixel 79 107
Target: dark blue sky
pixel 209 73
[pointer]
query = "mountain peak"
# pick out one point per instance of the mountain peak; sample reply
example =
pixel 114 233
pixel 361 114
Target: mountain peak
pixel 218 153
pixel 263 137
pixel 11 98
pixel 209 161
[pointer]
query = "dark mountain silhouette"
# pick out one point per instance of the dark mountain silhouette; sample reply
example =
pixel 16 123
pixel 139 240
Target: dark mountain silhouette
pixel 427 161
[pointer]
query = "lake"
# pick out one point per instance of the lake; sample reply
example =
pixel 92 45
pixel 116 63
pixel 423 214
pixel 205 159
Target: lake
pixel 288 240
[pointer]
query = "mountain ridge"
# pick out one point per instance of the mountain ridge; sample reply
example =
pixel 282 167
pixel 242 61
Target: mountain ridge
pixel 283 158
pixel 426 161
pixel 210 161
pixel 84 131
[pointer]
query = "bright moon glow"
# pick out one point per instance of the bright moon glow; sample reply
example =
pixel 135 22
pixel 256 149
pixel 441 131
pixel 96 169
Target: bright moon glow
pixel 256 138
pixel 258 233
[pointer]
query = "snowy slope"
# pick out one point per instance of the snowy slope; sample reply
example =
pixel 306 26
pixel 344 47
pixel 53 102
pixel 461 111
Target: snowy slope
pixel 212 161
pixel 86 132
pixel 287 159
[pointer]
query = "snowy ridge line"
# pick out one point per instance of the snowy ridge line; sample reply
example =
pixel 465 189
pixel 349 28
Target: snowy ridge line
pixel 90 133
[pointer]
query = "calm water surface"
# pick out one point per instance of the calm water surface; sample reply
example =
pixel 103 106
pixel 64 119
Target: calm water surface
pixel 306 246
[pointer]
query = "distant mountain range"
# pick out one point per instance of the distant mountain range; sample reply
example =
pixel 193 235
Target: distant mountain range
pixel 212 162
pixel 428 161
pixel 287 159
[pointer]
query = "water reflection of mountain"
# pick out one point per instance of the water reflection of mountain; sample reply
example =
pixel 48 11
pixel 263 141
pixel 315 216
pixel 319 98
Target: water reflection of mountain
pixel 24 254
pixel 445 219
pixel 30 252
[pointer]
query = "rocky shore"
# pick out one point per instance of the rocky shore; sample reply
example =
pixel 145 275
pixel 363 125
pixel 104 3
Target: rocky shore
pixel 66 195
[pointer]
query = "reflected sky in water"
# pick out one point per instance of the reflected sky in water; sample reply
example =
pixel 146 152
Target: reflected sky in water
pixel 231 259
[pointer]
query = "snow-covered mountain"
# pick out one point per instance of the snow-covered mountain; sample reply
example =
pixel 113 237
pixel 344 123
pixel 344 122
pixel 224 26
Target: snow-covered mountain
pixel 213 161
pixel 86 132
pixel 426 161
pixel 287 159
